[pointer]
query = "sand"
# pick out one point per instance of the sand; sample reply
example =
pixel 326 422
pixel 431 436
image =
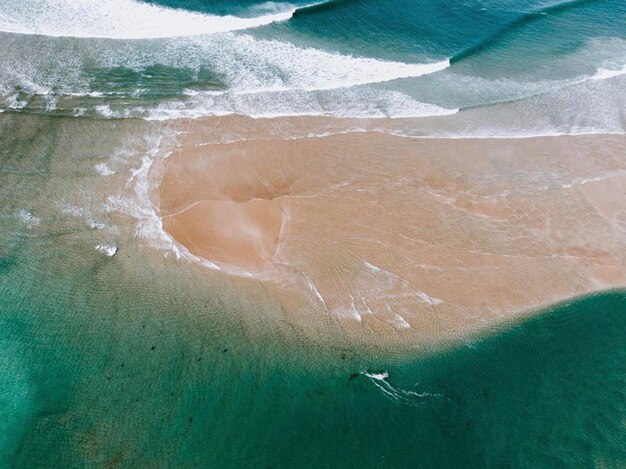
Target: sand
pixel 384 237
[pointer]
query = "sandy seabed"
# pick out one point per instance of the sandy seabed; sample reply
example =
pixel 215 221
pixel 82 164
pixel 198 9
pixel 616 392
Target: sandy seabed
pixel 410 240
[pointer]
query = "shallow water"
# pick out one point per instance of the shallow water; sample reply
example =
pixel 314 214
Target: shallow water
pixel 140 360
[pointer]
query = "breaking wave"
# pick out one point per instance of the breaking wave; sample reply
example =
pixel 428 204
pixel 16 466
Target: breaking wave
pixel 120 19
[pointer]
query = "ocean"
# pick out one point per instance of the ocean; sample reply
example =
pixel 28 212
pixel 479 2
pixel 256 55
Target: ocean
pixel 339 58
pixel 124 346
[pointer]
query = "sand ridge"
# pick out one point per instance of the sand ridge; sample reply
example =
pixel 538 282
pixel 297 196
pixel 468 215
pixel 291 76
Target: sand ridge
pixel 417 239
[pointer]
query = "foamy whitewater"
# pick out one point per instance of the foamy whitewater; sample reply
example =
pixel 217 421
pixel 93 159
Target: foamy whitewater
pixel 121 19
pixel 160 61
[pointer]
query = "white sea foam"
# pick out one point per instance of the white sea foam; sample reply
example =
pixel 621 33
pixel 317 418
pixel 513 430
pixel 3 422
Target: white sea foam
pixel 251 66
pixel 270 8
pixel 377 376
pixel 393 278
pixel 586 107
pixel 106 111
pixel 28 218
pixel 107 249
pixel 405 396
pixel 103 169
pixel 134 201
pixel 271 78
pixel 400 322
pixel 314 290
pixel 81 212
pixel 119 19
pixel 138 205
pixel 262 78
pixel 348 313
pixel 357 102
pixel 606 73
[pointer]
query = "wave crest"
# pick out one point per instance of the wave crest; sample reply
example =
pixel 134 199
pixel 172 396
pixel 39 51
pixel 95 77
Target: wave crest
pixel 523 20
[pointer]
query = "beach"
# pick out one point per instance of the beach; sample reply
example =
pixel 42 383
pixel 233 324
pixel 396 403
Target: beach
pixel 414 240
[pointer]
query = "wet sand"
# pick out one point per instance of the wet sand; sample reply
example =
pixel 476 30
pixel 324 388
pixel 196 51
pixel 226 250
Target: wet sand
pixel 386 238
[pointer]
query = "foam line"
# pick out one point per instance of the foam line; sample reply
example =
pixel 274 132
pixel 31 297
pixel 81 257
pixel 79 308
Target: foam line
pixel 605 73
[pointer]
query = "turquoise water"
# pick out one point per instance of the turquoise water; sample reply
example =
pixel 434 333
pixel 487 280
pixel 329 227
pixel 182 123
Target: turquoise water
pixel 139 360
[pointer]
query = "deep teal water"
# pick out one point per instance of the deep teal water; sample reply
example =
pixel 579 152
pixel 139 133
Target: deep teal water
pixel 107 365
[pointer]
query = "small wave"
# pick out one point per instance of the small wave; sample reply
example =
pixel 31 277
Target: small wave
pixel 516 24
pixel 119 19
pixel 321 6
pixel 352 103
pixel 606 73
pixel 269 8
